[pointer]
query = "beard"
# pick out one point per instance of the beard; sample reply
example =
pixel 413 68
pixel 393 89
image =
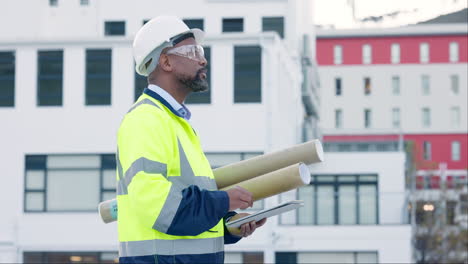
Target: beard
pixel 195 84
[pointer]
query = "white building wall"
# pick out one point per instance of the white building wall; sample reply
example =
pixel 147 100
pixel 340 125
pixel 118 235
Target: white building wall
pixel 411 100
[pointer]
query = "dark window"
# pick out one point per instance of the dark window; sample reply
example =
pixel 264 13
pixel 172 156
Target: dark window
pixel 367 86
pixel 286 257
pixel 53 2
pixel 248 74
pixel 337 86
pixel 7 78
pixel 114 28
pixel 53 183
pixel 339 200
pixel 367 118
pixel 71 257
pixel 98 77
pixel 252 257
pixel 145 21
pixel 50 78
pixel 451 212
pixel 233 25
pixel 194 23
pixel 84 2
pixel 141 82
pixel 203 97
pixel 273 24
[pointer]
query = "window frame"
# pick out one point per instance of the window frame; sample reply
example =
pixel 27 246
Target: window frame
pixel 46 170
pixel 395 53
pixel 44 56
pixel 366 54
pixel 229 25
pixel 454 51
pixel 424 52
pixel 8 57
pixel 336 183
pixel 244 94
pixel 337 54
pixel 103 76
pixel 112 28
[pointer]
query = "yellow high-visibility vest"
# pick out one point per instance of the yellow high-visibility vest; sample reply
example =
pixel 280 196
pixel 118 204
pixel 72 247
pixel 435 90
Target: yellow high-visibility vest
pixel 158 155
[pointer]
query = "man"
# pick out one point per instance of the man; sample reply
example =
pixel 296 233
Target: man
pixel 170 210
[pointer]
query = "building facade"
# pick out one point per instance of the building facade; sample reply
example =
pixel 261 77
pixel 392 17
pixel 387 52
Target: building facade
pixel 403 89
pixel 67 78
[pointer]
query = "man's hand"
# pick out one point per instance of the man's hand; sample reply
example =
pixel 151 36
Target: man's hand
pixel 239 198
pixel 246 229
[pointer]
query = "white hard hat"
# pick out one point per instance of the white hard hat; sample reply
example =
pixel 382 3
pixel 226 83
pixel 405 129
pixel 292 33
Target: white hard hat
pixel 159 33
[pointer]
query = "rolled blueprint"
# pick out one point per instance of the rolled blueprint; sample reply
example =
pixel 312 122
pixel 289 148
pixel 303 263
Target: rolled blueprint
pixel 308 153
pixel 271 163
pixel 108 210
pixel 276 182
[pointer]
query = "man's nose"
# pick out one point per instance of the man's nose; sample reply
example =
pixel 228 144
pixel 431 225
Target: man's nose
pixel 203 62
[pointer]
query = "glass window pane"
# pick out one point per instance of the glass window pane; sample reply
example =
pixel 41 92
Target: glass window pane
pixel 395 53
pixel 7 78
pixel 347 204
pixel 221 159
pixel 306 213
pixel 73 161
pixel 34 201
pixel 273 24
pixel 366 257
pixel 329 257
pixel 454 83
pixel 368 178
pixel 337 54
pixel 33 257
pixel 109 179
pixel 396 85
pixel 346 178
pixel 367 204
pixel 288 218
pixel 109 257
pixel 72 190
pixel 114 28
pixel 248 74
pixel 233 24
pixel 36 162
pixel 325 178
pixel 455 150
pixel 252 257
pixel 98 77
pixel 285 257
pixel 35 179
pixel 325 205
pixel 194 23
pixel 141 82
pixel 232 257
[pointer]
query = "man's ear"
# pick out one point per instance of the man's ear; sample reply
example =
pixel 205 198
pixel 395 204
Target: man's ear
pixel 165 63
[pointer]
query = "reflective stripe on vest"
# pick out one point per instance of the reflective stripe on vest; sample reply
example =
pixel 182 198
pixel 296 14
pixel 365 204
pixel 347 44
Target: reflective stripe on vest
pixel 171 247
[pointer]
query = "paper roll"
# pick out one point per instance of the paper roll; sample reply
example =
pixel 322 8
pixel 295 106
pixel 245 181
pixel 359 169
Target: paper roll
pixel 108 211
pixel 276 182
pixel 308 153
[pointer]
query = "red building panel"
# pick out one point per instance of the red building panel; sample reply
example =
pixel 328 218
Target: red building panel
pixel 381 49
pixel 441 148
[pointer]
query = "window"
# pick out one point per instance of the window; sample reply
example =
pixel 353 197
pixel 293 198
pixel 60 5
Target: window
pixel 337 54
pixel 453 51
pixel 7 78
pixel 55 183
pixel 326 257
pixel 367 86
pixel 454 83
pixel 203 97
pixel 426 115
pixel 367 118
pixel 396 117
pixel 114 28
pixel 425 85
pixel 395 85
pixel 247 74
pixel 243 257
pixel 141 82
pixel 455 116
pixel 339 200
pixel 233 25
pixel 338 86
pixel 395 50
pixel 50 78
pixel 98 77
pixel 424 52
pixel 451 212
pixel 273 24
pixel 71 257
pixel 338 118
pixel 455 150
pixel 194 23
pixel 53 2
pixel 84 2
pixel 427 150
pixel 366 54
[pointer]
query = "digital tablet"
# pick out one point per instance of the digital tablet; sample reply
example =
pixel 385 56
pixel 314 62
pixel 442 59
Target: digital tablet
pixel 279 209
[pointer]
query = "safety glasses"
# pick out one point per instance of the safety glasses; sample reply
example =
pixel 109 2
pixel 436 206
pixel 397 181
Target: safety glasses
pixel 193 52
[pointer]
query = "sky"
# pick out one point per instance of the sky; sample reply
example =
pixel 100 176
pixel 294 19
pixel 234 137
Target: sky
pixel 338 13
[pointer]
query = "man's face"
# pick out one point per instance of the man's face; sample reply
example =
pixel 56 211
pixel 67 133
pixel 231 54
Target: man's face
pixel 191 73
